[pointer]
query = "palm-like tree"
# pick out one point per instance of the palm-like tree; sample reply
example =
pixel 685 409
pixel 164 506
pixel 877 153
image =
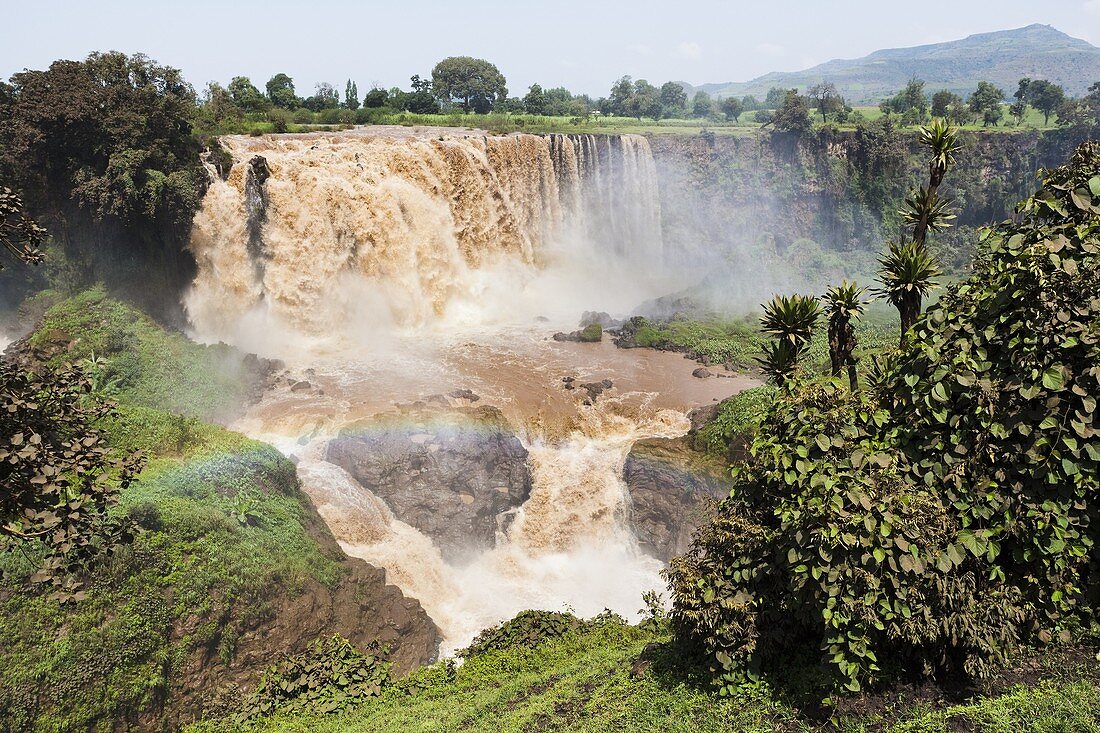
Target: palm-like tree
pixel 843 303
pixel 908 274
pixel 791 320
pixel 927 212
pixel 941 138
pixel 780 361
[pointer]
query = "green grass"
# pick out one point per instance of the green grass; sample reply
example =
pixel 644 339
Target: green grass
pixel 587 682
pixel 141 362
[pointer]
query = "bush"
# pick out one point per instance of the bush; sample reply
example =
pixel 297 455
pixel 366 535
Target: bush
pixel 738 418
pixel 528 629
pixel 329 676
pixel 930 524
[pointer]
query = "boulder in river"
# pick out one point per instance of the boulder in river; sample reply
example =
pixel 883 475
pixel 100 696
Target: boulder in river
pixel 457 475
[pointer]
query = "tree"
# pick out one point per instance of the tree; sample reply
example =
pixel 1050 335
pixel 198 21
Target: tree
pixel 1046 97
pixel 375 98
pixel 646 101
pixel 351 95
pixel 790 320
pixel 111 137
pixel 749 102
pixel 422 100
pixel 942 101
pixel 702 105
pixel 843 303
pixel 776 97
pixel 911 99
pixel 280 90
pixel 19 233
pixel 535 100
pixel 246 96
pixel 907 273
pixel 673 99
pixel 476 83
pixel 732 108
pixel 218 105
pixel 324 97
pixel 793 117
pixel 622 91
pixel 827 99
pixel 986 102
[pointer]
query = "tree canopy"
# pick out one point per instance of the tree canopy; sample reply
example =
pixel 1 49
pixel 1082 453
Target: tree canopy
pixel 475 83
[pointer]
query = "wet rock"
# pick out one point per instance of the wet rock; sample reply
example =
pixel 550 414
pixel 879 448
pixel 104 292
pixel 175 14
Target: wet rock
pixel 625 336
pixel 671 488
pixel 595 389
pixel 452 474
pixel 465 394
pixel 301 386
pixel 700 416
pixel 590 334
pixel 601 319
pixel 702 373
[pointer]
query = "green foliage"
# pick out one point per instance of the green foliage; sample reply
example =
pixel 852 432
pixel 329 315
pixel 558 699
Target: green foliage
pixel 592 333
pixel 193 579
pixel 60 478
pixel 528 629
pixel 930 524
pixel 20 235
pixel 144 364
pixel 613 678
pixel 328 677
pixel 738 417
pixel 791 319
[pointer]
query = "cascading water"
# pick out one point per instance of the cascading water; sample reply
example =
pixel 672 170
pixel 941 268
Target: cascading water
pixel 401 229
pixel 397 264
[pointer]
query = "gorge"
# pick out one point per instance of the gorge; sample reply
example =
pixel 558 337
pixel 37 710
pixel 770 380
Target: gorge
pixel 409 280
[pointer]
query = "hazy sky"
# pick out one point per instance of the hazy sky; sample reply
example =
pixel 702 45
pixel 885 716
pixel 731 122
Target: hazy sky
pixel 581 44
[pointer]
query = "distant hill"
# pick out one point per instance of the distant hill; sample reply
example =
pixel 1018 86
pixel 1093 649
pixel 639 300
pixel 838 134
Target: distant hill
pixel 1002 57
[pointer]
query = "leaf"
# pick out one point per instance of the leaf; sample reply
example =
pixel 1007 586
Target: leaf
pixel 823 442
pixel 1053 378
pixel 1094 185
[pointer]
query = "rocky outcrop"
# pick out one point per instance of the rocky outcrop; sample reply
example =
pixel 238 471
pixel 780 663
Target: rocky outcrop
pixel 455 474
pixel 670 487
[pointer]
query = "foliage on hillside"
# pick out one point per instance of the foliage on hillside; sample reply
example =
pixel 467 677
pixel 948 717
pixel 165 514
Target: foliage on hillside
pixel 129 356
pixel 223 532
pixel 932 523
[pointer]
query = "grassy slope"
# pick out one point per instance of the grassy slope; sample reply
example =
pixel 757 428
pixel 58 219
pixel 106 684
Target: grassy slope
pixel 114 653
pixel 586 682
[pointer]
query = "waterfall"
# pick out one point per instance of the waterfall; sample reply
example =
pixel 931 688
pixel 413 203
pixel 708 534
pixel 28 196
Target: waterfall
pixel 313 229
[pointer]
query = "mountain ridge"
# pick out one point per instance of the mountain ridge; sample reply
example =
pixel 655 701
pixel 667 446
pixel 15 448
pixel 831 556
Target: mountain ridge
pixel 1003 57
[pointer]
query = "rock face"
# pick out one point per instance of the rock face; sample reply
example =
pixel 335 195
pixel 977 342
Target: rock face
pixel 669 485
pixel 457 475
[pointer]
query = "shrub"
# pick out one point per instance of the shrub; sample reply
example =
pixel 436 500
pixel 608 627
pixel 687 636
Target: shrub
pixel 528 629
pixel 329 676
pixel 738 417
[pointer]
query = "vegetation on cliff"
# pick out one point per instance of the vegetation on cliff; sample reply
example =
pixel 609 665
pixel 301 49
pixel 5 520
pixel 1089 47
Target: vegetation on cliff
pixel 935 521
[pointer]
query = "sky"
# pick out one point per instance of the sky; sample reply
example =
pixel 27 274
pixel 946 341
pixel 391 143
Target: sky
pixel 583 45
